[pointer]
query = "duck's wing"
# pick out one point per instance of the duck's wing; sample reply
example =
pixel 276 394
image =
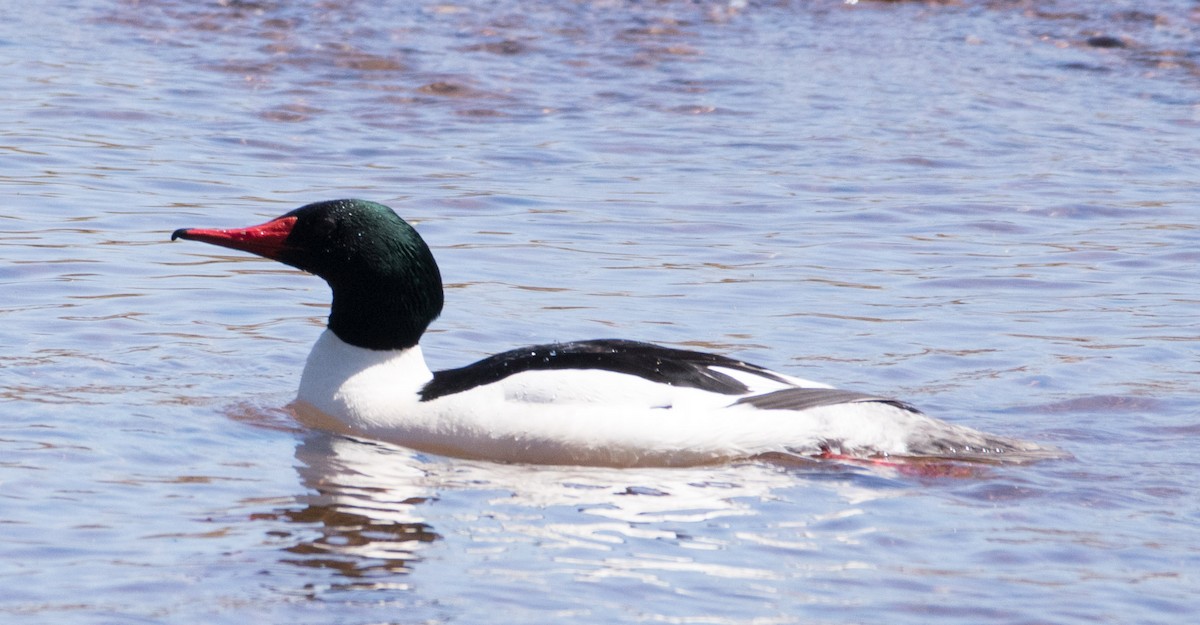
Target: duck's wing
pixel 664 365
pixel 806 398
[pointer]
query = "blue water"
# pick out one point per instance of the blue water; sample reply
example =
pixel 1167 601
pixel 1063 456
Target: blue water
pixel 985 208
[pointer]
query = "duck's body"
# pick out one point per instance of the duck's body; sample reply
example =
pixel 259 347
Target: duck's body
pixel 601 402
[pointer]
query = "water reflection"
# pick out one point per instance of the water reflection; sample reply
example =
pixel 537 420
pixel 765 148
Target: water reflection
pixel 373 508
pixel 363 508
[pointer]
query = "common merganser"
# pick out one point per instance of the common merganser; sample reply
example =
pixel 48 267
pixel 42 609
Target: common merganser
pixel 598 402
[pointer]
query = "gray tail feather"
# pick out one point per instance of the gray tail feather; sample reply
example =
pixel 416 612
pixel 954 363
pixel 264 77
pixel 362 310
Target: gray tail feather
pixel 806 398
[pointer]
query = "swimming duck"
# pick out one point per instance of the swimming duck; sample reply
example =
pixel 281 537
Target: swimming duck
pixel 610 402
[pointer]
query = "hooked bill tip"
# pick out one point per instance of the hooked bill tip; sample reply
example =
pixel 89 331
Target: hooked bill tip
pixel 179 234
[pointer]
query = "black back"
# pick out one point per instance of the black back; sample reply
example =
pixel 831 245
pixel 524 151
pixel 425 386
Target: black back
pixel 665 365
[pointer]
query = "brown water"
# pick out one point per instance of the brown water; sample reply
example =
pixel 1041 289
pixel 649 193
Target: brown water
pixel 985 208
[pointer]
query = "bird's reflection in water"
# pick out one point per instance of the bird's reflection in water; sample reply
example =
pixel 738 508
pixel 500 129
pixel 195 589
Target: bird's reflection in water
pixel 372 507
pixel 362 510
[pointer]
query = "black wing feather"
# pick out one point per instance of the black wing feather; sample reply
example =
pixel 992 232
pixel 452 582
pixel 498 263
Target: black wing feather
pixel 665 365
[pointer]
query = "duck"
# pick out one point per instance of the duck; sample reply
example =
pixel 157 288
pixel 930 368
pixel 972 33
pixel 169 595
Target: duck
pixel 600 402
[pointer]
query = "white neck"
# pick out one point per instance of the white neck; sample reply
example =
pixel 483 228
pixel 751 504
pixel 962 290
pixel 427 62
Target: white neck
pixel 351 384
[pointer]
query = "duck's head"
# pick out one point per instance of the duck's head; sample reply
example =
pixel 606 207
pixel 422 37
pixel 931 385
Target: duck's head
pixel 386 286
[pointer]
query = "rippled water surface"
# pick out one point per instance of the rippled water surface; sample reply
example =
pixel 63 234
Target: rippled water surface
pixel 988 208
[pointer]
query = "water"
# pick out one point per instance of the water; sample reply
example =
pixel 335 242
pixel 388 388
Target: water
pixel 985 208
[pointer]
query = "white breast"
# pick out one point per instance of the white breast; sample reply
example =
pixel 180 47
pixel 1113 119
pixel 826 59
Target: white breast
pixel 360 389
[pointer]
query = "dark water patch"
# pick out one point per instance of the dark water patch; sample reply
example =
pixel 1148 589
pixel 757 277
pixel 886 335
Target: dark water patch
pixel 507 47
pixel 1187 430
pixel 1098 404
pixel 992 284
pixel 1085 67
pixel 1105 41
pixel 448 89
